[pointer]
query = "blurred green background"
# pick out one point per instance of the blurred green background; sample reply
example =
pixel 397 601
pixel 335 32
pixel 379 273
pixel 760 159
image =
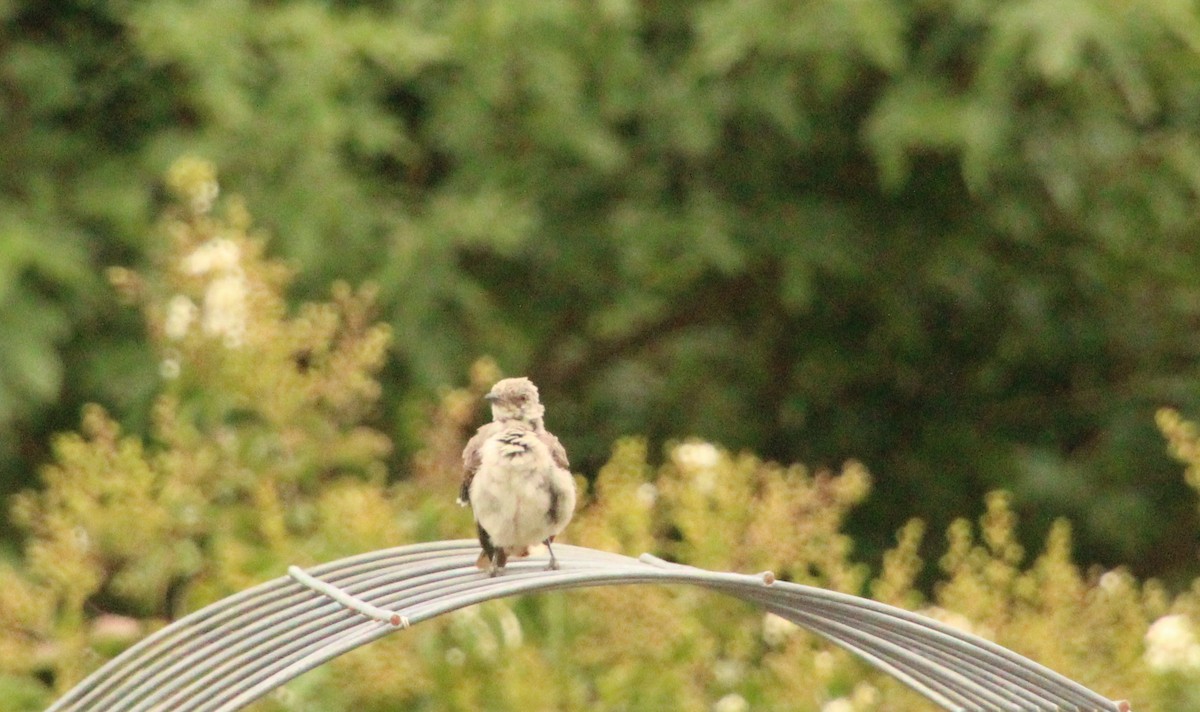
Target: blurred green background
pixel 953 239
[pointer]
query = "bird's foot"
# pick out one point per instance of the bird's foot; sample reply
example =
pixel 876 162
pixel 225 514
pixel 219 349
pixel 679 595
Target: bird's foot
pixel 498 559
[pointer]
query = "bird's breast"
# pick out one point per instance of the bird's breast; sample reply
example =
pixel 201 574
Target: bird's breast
pixel 514 444
pixel 519 496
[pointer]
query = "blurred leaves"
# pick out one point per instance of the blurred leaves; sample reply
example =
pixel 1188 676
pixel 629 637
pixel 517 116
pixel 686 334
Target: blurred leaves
pixel 261 454
pixel 38 283
pixel 256 413
pixel 951 240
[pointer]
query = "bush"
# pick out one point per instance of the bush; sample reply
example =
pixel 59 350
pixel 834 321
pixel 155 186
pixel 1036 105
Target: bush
pixel 261 455
pixel 951 239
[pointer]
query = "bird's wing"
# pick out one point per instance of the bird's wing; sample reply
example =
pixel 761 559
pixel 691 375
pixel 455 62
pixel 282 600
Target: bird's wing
pixel 557 451
pixel 472 458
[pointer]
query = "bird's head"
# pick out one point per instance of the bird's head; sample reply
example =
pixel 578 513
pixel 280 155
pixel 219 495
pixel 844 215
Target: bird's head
pixel 515 399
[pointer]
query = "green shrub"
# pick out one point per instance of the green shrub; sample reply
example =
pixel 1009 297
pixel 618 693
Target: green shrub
pixel 260 456
pixel 815 230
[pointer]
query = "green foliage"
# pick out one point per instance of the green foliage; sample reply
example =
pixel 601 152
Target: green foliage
pixel 949 238
pixel 260 454
pixel 37 324
pixel 257 438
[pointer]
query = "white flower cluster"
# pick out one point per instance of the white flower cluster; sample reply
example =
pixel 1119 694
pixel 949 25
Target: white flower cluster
pixel 729 673
pixel 224 310
pixel 219 255
pixel 699 459
pixel 864 696
pixel 1113 582
pixel 733 702
pixel 1171 645
pixel 777 629
pixel 838 704
pixel 181 312
pixel 697 456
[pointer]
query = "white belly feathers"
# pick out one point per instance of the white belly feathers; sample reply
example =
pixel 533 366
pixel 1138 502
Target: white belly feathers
pixel 519 496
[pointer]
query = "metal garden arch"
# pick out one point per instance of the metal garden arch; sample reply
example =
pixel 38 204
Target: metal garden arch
pixel 232 652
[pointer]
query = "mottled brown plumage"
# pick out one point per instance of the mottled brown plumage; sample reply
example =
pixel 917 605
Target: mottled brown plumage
pixel 527 489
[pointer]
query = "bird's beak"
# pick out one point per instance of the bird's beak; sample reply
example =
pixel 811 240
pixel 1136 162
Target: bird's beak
pixel 490 397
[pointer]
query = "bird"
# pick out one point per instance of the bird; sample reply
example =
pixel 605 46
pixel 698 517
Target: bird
pixel 516 478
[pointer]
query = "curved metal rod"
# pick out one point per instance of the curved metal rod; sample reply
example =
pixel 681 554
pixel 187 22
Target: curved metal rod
pixel 236 650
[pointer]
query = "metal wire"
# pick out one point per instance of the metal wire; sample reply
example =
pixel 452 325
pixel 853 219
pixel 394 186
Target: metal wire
pixel 232 652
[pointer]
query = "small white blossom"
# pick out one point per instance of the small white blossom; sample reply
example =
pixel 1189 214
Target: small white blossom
pixel 865 695
pixel 728 673
pixel 697 456
pixel 181 312
pixel 1171 645
pixel 225 309
pixel 777 629
pixel 838 704
pixel 733 702
pixel 218 255
pixel 169 369
pixel 823 663
pixel 647 494
pixel 1111 582
pixel 699 459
